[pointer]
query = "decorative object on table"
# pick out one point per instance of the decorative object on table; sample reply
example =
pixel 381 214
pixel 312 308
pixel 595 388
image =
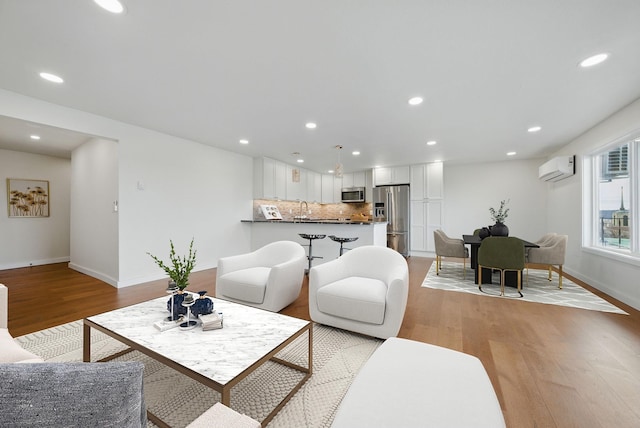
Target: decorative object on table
pixel 172 289
pixel 499 228
pixel 187 302
pixel 212 321
pixel 271 212
pixel 179 272
pixel 203 305
pixel 27 198
pixel 484 232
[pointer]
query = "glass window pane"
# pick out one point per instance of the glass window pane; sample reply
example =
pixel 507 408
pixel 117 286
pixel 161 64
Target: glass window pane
pixel 614 198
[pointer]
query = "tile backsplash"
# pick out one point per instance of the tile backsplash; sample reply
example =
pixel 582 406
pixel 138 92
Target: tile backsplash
pixel 290 209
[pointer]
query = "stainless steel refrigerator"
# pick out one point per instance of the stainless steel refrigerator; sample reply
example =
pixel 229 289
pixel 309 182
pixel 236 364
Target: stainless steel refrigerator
pixel 391 204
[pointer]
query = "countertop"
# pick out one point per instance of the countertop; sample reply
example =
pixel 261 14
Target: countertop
pixel 315 221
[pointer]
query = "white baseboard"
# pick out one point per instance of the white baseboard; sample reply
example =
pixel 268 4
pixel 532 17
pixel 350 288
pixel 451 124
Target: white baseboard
pixel 21 264
pixel 633 301
pixel 98 275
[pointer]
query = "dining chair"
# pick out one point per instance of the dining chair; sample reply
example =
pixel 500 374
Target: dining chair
pixel 503 254
pixel 449 247
pixel 550 253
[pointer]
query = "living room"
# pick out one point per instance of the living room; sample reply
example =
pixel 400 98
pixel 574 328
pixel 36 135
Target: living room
pixel 130 188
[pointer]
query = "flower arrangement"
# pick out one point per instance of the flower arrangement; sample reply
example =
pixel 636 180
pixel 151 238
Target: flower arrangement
pixel 500 215
pixel 180 268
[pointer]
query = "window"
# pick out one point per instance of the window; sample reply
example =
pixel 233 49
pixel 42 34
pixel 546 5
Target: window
pixel 613 195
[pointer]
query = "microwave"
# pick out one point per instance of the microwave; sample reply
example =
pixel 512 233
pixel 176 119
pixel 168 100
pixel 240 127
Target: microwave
pixel 352 194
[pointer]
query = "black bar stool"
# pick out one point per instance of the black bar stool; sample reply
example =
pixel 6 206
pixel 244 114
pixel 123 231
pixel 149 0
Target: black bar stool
pixel 311 237
pixel 342 241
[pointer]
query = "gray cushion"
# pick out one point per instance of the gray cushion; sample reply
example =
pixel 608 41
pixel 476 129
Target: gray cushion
pixel 73 395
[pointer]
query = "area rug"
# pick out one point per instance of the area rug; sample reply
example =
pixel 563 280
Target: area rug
pixel 538 288
pixel 178 400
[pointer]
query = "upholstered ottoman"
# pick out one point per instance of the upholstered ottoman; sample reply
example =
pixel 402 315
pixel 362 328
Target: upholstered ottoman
pixel 412 384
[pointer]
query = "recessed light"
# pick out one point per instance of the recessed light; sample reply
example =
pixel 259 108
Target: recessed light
pixel 311 125
pixel 431 143
pixel 511 153
pixel 51 77
pixel 594 60
pixel 415 101
pixel 330 171
pixel 113 6
pixel 244 141
pixel 300 160
pixel 534 129
pixel 35 137
pixel 355 153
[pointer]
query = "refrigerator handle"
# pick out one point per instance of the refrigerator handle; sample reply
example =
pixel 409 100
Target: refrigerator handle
pixel 389 208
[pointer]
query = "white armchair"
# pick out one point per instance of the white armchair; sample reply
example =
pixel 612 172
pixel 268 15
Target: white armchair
pixel 269 278
pixel 364 291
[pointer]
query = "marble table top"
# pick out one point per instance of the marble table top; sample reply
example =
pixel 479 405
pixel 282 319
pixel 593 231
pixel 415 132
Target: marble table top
pixel 221 355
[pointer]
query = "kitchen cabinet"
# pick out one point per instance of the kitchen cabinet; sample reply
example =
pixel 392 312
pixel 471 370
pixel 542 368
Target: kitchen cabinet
pixel 383 176
pixel 426 217
pixel 296 190
pixel 331 189
pixel 426 181
pixel 269 179
pixel 427 199
pixel 314 187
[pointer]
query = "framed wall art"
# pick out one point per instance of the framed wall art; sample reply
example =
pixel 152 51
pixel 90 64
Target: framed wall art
pixel 27 198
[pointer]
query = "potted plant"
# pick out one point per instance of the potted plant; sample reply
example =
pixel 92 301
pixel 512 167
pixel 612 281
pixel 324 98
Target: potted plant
pixel 499 228
pixel 178 271
pixel 180 267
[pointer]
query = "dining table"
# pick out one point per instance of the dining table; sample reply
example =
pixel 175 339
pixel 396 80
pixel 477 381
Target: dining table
pixel 511 277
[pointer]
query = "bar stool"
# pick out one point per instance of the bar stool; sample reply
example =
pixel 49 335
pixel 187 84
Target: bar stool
pixel 342 241
pixel 311 237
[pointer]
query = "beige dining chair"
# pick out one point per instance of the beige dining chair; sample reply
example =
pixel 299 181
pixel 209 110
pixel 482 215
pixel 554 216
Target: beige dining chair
pixel 550 253
pixel 449 247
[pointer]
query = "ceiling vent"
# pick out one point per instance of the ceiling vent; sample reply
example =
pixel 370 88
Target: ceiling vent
pixel 557 168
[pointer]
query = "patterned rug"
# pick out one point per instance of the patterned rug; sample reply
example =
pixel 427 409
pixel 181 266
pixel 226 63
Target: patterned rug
pixel 538 288
pixel 178 400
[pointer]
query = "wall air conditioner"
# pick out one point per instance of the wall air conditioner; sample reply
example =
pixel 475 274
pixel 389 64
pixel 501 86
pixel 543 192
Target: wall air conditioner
pixel 557 168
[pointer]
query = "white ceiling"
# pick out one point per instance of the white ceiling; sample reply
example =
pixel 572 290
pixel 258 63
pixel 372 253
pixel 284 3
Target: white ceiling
pixel 218 71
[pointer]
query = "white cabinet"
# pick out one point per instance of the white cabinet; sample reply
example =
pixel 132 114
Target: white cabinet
pixel 426 181
pixel 426 217
pixel 314 187
pixel 427 194
pixel 269 179
pixel 296 183
pixel 391 175
pixel 360 179
pixel 327 189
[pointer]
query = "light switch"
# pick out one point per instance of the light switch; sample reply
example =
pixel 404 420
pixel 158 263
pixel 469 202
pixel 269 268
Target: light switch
pixel 140 185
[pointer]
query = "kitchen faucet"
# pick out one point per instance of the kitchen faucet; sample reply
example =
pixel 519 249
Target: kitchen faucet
pixel 306 211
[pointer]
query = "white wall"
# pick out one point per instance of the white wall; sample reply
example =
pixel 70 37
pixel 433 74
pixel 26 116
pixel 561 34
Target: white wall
pixel 190 190
pixel 94 224
pixel 471 189
pixel 35 241
pixel 614 277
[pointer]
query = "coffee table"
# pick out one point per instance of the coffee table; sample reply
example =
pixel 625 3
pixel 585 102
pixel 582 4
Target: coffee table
pixel 219 359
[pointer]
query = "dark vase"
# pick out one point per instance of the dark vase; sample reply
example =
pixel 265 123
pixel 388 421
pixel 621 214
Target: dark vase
pixel 499 229
pixel 178 309
pixel 203 305
pixel 484 232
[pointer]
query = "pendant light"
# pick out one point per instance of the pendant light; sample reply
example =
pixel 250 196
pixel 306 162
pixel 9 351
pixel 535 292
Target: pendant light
pixel 338 170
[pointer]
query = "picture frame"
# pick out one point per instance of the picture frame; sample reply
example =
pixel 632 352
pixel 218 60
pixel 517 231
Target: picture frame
pixel 27 198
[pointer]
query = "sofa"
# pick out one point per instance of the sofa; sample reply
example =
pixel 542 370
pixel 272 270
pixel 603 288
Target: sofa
pixel 406 383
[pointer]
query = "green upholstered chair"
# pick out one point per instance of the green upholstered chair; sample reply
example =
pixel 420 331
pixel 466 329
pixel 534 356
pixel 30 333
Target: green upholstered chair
pixel 503 254
pixel 449 247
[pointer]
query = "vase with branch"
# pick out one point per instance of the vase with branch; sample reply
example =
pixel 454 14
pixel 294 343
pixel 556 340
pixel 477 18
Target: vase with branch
pixel 499 216
pixel 178 271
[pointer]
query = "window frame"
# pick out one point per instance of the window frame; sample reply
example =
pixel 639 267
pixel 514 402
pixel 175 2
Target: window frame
pixel 592 169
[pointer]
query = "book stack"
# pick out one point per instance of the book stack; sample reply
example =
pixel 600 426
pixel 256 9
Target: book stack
pixel 212 321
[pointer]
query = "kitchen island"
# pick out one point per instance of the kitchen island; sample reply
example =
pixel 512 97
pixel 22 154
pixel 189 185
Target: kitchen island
pixel 368 233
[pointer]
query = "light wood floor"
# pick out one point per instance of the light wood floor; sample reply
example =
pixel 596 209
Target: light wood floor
pixel 551 366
